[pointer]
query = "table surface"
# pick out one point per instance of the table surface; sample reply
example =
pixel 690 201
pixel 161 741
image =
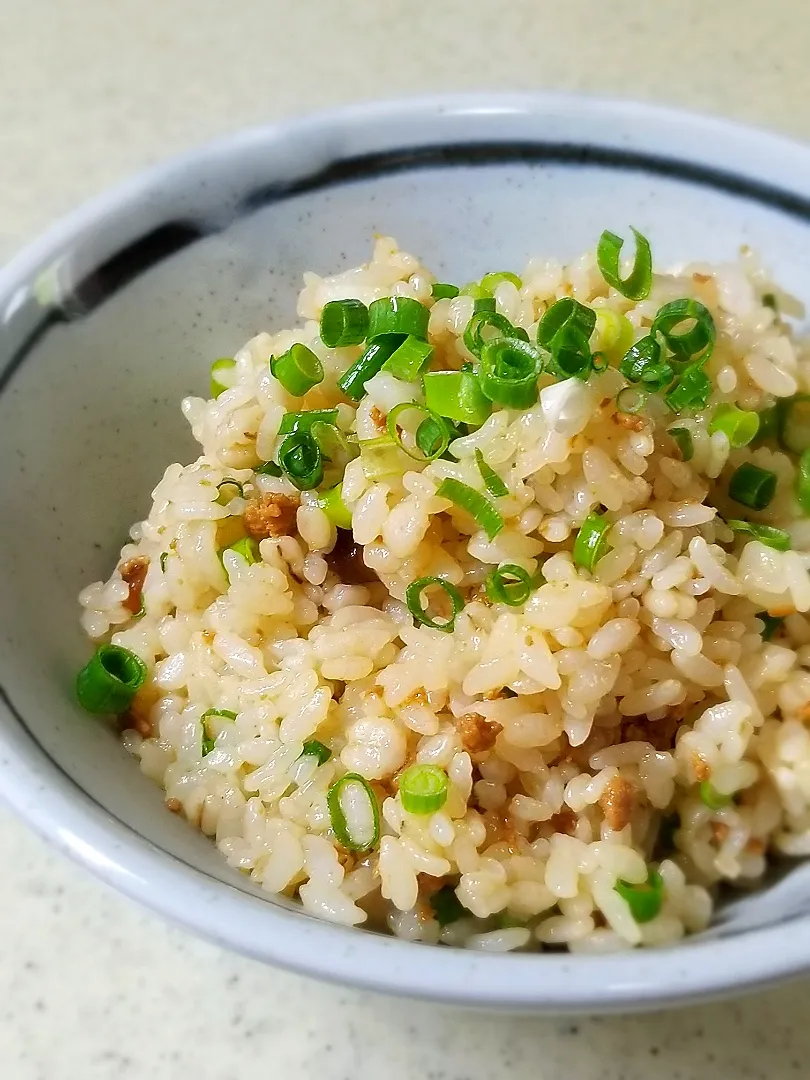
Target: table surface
pixel 91 986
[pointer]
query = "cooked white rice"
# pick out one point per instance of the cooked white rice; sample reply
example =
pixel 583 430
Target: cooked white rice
pixel 576 730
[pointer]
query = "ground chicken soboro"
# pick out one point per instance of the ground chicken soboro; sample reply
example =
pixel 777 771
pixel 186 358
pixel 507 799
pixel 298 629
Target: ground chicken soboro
pixel 271 515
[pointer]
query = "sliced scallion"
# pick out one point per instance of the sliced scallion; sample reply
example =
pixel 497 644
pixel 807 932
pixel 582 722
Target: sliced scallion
pixel 382 457
pixel 684 440
pixel 343 322
pixel 630 399
pixel 209 742
pixel 332 504
pixel 298 369
pixel 490 282
pixel 695 341
pixel 409 360
pixel 437 445
pixel 793 422
pixel 772 623
pixel 433 435
pixel 711 797
pixel 591 543
pixel 456 395
pixel 423 789
pixel 766 534
pixel 644 900
pixel 754 487
pixel 642 363
pixel 508 372
pixel 397 315
pixel 354 812
pixel 110 680
pixel 691 391
pixel 509 584
pixel 442 291
pixel 492 482
pixel 802 481
pixel 303 421
pixel 738 425
pixel 414 598
pixel 354 379
pixel 221 374
pixel 481 320
pixel 226 714
pixel 447 908
pixel 301 460
pixel 316 749
pixel 474 503
pixel 483 304
pixel 269 468
pixel 637 284
pixel 248 548
pixel 225 495
pixel 565 313
pixel 164 556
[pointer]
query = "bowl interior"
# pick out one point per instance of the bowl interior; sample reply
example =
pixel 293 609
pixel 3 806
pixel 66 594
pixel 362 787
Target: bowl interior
pixel 106 331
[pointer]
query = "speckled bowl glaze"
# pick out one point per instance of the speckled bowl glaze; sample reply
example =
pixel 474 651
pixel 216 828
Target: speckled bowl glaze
pixel 116 314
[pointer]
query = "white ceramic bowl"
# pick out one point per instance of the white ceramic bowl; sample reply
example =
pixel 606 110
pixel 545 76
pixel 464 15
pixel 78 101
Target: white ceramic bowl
pixel 117 313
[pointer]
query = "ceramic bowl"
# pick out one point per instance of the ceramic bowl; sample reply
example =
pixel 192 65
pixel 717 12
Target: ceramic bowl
pixel 116 314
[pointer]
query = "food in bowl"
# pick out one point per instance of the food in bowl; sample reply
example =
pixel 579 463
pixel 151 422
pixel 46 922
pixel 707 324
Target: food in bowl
pixel 482 614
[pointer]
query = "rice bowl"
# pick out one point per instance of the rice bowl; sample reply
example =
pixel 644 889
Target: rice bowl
pixel 559 711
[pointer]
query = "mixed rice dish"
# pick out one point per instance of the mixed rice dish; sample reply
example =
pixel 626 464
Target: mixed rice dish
pixel 482 616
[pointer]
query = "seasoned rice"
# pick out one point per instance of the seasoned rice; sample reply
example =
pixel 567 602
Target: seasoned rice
pixel 624 719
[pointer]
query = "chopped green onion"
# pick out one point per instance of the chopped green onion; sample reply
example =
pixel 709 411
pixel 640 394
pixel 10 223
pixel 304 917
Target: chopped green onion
pixel 698 340
pixel 354 379
pixel 437 446
pixel 226 714
pixel 642 363
pixel 571 354
pixel 686 445
pixel 423 789
pixel 591 543
pixel 483 304
pixel 220 370
pixel 343 322
pixel 751 486
pixel 565 313
pixel 770 422
pixel 474 503
pixel 303 421
pixel 269 468
pixel 769 300
pixel 456 395
pixel 614 332
pixel 490 282
pixel 447 908
pixel 442 291
pixel 208 744
pixel 630 400
pixel 508 372
pixel 766 534
pixel 473 335
pixel 599 362
pixel 164 555
pixel 493 483
pixel 691 391
pixel 431 435
pixel 301 460
pixel 226 483
pixel 711 797
pixel 509 584
pixel 332 504
pixel 413 599
pixel 793 422
pixel 637 285
pixel 644 900
pixel 409 360
pixel 397 315
pixel 473 289
pixel 738 425
pixel 316 749
pixel 110 680
pixel 772 624
pixel 298 369
pixel 248 548
pixel 802 481
pixel 382 457
pixel 354 812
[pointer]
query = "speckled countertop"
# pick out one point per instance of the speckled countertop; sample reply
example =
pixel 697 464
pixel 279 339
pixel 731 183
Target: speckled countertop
pixel 92 987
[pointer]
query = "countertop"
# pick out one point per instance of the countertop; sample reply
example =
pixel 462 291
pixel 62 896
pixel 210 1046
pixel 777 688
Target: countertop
pixel 91 986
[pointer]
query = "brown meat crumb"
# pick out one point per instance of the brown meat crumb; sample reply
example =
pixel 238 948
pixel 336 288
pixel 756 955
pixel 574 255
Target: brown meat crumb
pixel 701 279
pixel 701 767
pixel 270 515
pixel 477 734
pixel 618 801
pixel 346 560
pixel 564 822
pixel 755 846
pixel 428 885
pixel 174 805
pixel 720 831
pixel 501 830
pixel 659 733
pixel 629 420
pixel 377 417
pixel 137 716
pixel 133 571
